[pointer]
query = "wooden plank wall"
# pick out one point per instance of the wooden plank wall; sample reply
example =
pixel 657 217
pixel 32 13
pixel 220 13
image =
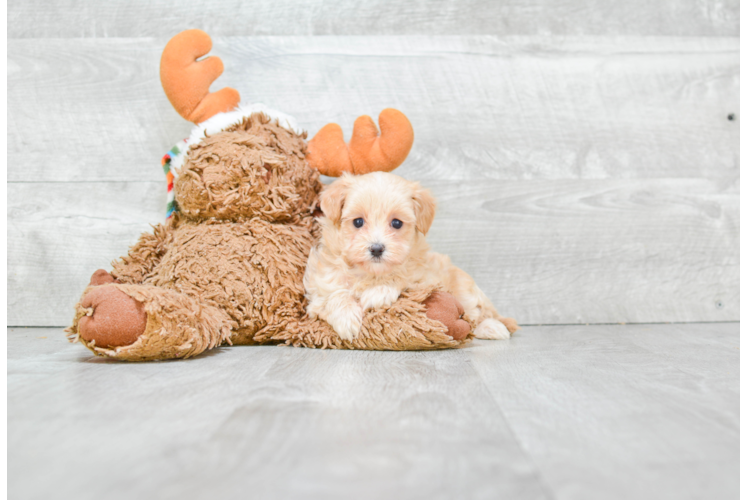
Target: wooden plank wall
pixel 585 155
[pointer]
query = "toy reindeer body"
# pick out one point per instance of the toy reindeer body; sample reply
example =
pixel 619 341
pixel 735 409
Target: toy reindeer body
pixel 227 267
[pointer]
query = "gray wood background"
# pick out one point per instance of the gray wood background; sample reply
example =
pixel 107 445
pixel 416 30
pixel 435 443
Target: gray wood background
pixel 582 153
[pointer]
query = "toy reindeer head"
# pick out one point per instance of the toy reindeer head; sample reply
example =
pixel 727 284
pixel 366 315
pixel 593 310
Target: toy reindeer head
pixel 186 82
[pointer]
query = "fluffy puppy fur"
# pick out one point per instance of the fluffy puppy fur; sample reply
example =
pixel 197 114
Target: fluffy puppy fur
pixel 373 246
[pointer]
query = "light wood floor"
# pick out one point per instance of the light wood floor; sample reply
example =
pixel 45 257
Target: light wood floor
pixel 558 412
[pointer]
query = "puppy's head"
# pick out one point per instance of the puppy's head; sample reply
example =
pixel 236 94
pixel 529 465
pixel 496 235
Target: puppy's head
pixel 375 219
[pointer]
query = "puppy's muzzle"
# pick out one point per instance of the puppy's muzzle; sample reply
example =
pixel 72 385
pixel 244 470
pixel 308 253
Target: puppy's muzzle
pixel 376 250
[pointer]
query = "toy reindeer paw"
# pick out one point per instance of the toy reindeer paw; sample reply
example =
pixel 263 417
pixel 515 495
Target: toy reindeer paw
pixel 113 318
pixel 443 307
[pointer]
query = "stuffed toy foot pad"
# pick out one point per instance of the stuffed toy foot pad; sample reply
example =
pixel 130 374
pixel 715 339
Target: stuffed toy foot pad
pixel 113 318
pixel 443 307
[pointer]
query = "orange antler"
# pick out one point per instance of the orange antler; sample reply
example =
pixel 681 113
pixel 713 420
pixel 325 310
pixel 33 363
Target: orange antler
pixel 368 151
pixel 186 80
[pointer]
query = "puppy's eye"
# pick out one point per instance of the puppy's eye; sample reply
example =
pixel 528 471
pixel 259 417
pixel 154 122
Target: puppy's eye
pixel 358 222
pixel 396 223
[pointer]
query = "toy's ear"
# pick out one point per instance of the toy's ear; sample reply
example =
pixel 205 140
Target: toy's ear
pixel 368 151
pixel 425 207
pixel 332 199
pixel 186 80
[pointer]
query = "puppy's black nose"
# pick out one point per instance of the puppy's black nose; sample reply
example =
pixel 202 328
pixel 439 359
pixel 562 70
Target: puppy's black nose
pixel 376 250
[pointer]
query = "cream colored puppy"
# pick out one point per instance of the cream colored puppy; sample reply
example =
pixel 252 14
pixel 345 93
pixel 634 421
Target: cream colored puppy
pixel 374 246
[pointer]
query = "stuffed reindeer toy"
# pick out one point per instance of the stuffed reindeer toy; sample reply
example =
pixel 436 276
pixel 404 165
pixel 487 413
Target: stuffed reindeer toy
pixel 226 268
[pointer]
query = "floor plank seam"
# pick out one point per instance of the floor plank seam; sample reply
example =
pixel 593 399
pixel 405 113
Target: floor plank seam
pixel 544 486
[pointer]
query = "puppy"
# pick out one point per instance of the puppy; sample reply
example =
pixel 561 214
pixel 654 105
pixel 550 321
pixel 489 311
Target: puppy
pixel 373 247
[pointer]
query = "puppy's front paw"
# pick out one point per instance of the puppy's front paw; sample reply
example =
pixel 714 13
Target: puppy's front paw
pixel 346 322
pixel 492 329
pixel 379 296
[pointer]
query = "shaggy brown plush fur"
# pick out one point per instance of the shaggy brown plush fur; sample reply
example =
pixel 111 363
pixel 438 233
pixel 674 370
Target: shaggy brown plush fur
pixel 228 267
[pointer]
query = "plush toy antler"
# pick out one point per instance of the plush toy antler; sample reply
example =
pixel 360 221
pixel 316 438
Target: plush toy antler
pixel 368 151
pixel 186 80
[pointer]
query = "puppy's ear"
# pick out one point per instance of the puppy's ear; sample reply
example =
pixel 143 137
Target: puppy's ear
pixel 332 199
pixel 425 207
